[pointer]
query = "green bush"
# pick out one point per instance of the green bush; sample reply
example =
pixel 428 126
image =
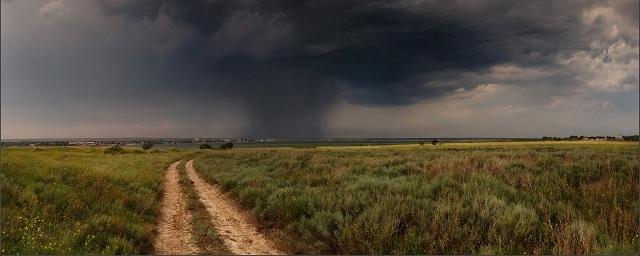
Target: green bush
pixel 205 146
pixel 137 151
pixel 227 145
pixel 115 150
pixel 146 145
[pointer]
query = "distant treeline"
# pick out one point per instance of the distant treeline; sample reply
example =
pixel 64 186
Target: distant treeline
pixel 244 142
pixel 575 137
pixel 632 137
pixel 107 142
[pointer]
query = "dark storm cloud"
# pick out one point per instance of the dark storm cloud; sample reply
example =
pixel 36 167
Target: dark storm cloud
pixel 385 54
pixel 288 62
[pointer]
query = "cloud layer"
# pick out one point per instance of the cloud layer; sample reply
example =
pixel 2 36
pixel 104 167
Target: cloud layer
pixel 308 69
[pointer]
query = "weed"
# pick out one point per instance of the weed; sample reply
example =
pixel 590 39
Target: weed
pixel 506 198
pixel 79 200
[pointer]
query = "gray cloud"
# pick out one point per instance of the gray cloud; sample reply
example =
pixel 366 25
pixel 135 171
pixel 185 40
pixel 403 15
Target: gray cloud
pixel 284 65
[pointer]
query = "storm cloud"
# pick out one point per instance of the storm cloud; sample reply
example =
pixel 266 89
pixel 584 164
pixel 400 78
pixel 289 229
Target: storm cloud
pixel 291 69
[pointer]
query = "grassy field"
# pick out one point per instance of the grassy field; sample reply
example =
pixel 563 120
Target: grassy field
pixel 80 200
pixel 507 198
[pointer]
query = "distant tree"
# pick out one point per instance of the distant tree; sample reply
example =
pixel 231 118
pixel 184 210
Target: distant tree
pixel 115 150
pixel 205 146
pixel 146 145
pixel 227 145
pixel 137 151
pixel 421 143
pixel 434 142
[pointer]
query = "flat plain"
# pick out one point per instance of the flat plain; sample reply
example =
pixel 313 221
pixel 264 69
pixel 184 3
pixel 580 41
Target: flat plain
pixel 489 197
pixel 505 198
pixel 63 200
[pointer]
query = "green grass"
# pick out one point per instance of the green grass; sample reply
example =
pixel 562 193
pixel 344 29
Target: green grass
pixel 506 198
pixel 202 226
pixel 80 200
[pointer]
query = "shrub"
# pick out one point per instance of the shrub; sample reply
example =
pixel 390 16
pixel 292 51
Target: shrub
pixel 227 145
pixel 578 237
pixel 434 142
pixel 147 145
pixel 205 146
pixel 115 150
pixel 516 224
pixel 137 151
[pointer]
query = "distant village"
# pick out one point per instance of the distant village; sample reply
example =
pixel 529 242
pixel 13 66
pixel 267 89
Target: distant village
pixel 118 142
pixel 170 142
pixel 601 138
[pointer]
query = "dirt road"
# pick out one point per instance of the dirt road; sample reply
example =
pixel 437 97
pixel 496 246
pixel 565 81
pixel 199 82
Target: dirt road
pixel 234 225
pixel 174 233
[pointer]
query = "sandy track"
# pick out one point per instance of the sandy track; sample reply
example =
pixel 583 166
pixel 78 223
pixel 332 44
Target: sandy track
pixel 234 226
pixel 174 234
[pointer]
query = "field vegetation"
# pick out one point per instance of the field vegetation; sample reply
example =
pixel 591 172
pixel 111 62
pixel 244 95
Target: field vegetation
pixel 81 200
pixel 506 198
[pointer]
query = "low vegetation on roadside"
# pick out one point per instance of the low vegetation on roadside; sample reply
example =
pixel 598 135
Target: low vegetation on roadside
pixel 505 198
pixel 79 200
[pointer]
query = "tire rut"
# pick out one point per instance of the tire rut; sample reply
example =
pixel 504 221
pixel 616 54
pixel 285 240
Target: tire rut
pixel 234 226
pixel 174 233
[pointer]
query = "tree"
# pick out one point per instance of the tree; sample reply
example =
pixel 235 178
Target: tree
pixel 227 145
pixel 115 150
pixel 434 142
pixel 205 146
pixel 421 143
pixel 146 145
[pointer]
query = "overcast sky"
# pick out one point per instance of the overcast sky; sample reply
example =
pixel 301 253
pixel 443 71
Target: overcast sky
pixel 314 69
